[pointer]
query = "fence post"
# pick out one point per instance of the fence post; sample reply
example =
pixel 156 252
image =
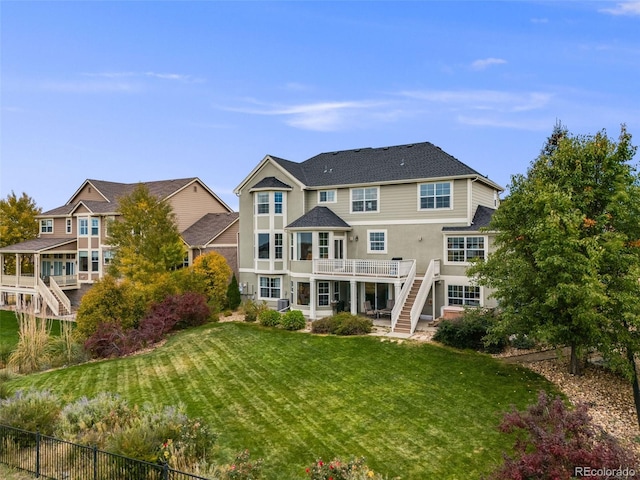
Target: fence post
pixel 95 462
pixel 165 471
pixel 37 453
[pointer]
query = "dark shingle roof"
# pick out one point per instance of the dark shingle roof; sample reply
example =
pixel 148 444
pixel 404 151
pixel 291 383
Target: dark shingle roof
pixel 319 217
pixel 372 165
pixel 271 182
pixel 208 228
pixel 481 219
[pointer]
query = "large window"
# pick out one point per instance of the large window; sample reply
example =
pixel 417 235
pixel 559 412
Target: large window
pixel 304 243
pixel 262 203
pixel 95 227
pixel 95 260
pixel 323 294
pixel 464 249
pixel 83 261
pixel 304 291
pixel 435 195
pixel 269 287
pixel 377 241
pixel 364 199
pixel 263 245
pixel 107 256
pixel 461 295
pixel 46 226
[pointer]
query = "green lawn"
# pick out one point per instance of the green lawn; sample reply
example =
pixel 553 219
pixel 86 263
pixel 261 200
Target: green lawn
pixel 9 328
pixel 414 410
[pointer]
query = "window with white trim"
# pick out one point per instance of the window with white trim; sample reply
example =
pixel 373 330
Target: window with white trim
pixel 327 196
pixel 107 257
pixel 364 199
pixel 461 295
pixel 95 261
pixel 83 226
pixel 269 287
pixel 304 245
pixel 69 225
pixel 464 249
pixel 83 261
pixel 323 244
pixel 277 244
pixel 263 245
pixel 277 203
pixel 323 294
pixel 46 225
pixel 95 227
pixel 262 203
pixel 435 195
pixel 377 241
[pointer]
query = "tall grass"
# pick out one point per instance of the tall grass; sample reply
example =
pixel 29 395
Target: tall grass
pixel 32 352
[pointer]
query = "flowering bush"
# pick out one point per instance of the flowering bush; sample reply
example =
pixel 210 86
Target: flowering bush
pixel 336 469
pixel 243 469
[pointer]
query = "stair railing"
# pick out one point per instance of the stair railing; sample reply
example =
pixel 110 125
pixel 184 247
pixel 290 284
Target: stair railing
pixel 433 272
pixel 48 297
pixel 404 293
pixel 58 292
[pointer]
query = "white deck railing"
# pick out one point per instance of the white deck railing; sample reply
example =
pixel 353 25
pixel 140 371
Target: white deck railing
pixel 48 297
pixel 404 293
pixel 363 268
pixel 55 288
pixel 28 281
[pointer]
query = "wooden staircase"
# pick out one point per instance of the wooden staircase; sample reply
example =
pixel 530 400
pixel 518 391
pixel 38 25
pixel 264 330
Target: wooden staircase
pixel 403 325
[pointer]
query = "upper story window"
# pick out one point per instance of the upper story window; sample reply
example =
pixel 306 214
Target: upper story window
pixel 323 245
pixel 277 202
pixel 377 241
pixel 263 245
pixel 95 227
pixel 69 225
pixel 83 226
pixel 463 249
pixel 364 199
pixel 262 203
pixel 327 196
pixel 435 195
pixel 46 225
pixel 304 245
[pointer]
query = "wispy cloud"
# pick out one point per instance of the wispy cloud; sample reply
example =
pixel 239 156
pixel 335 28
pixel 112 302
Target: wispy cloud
pixel 485 63
pixel 319 116
pixel 90 87
pixel 624 8
pixel 483 99
pixel 162 76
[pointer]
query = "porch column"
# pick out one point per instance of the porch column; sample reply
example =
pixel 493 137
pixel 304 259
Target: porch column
pixel 312 299
pixel 18 269
pixel 354 297
pixel 398 289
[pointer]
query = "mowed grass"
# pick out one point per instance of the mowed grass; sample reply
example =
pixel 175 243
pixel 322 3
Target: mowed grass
pixel 414 410
pixel 10 332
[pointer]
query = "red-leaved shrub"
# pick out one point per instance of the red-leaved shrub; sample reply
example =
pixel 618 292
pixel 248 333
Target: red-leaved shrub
pixel 553 441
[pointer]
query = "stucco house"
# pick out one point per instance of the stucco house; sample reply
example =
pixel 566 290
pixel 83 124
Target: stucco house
pixel 71 251
pixel 385 231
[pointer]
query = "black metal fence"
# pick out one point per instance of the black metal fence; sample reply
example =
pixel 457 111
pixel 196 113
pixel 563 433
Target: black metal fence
pixel 55 459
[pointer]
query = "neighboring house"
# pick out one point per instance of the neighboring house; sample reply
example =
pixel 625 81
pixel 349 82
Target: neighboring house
pixel 385 231
pixel 72 251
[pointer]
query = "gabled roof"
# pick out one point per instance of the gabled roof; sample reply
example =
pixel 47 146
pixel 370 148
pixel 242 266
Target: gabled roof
pixel 481 219
pixel 271 183
pixel 396 164
pixel 208 228
pixel 319 217
pixel 379 165
pixel 111 191
pixel 37 245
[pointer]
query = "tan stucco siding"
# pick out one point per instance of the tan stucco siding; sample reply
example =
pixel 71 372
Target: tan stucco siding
pixel 192 203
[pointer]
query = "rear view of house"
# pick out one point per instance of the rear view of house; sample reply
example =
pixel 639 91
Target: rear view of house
pixel 381 231
pixel 72 250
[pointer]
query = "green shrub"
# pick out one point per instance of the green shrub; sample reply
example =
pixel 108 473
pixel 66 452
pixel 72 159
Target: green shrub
pixel 470 331
pixel 337 469
pixel 31 410
pixel 343 323
pixel 252 309
pixel 32 353
pixel 269 318
pixel 233 294
pixel 293 320
pixel 324 325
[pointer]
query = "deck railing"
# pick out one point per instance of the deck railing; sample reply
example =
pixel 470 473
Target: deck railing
pixel 363 268
pixel 25 281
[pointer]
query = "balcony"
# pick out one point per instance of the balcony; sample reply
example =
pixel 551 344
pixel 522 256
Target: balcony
pixel 392 269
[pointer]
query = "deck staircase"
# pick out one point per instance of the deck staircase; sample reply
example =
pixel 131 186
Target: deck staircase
pixel 403 325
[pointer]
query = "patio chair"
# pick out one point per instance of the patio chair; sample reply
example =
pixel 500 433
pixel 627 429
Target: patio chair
pixel 368 310
pixel 388 308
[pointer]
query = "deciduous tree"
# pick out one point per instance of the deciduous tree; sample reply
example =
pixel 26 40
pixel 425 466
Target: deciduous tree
pixel 18 219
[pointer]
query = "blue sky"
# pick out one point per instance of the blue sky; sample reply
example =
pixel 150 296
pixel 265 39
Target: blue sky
pixel 142 90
